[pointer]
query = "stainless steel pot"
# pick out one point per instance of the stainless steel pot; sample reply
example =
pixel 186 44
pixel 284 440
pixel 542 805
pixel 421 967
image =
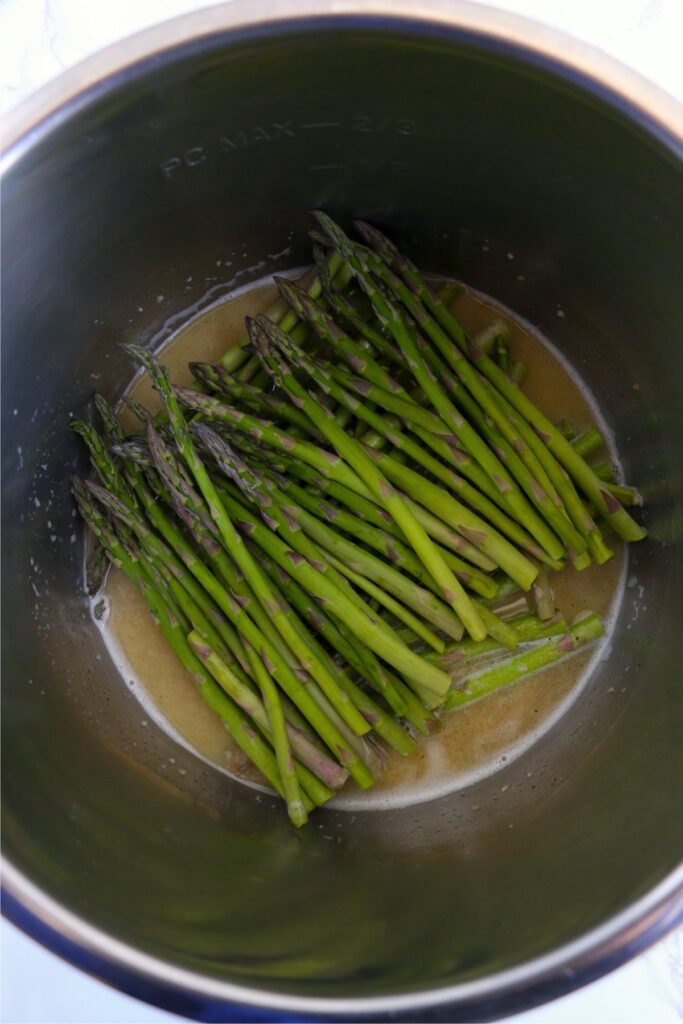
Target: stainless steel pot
pixel 472 135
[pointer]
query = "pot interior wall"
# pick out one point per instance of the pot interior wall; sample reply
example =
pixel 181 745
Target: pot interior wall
pixel 215 153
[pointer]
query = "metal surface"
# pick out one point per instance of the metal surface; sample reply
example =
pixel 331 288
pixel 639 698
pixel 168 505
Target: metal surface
pixel 471 135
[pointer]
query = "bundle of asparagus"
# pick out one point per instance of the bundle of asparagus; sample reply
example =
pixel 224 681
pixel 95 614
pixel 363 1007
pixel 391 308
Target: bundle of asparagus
pixel 328 557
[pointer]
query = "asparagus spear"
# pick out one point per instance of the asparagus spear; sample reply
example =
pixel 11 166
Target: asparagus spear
pixel 471 526
pixel 528 628
pixel 561 482
pixel 501 354
pixel 521 457
pixel 372 340
pixel 280 312
pixel 194 513
pixel 327 464
pixel 372 513
pixel 209 585
pixel 310 782
pixel 582 632
pixel 332 598
pixel 178 493
pixel 578 469
pixel 274 721
pixel 477 501
pixel 263 403
pixel 279 518
pixel 214 629
pixel 234 544
pixel 422 601
pixel 374 375
pixel 402 613
pixel 524 441
pixel 590 441
pixel 425 424
pixel 543 596
pixel 240 659
pixel 382 540
pixel 265 336
pixel 363 661
pixel 358 358
pixel 96 567
pixel 391 317
pixel 233 719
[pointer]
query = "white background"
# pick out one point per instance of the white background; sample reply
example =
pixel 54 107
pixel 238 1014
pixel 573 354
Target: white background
pixel 38 39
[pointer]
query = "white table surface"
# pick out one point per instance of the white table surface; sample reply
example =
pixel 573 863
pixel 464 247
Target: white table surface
pixel 38 39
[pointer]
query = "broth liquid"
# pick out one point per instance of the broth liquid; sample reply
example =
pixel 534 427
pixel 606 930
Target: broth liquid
pixel 476 739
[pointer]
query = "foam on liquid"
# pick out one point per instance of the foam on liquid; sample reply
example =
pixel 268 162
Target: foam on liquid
pixel 475 740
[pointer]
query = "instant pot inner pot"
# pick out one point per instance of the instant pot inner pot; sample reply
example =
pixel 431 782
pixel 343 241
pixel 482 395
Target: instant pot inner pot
pixel 193 173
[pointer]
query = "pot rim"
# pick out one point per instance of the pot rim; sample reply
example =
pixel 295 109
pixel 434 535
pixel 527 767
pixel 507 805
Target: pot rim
pixel 638 100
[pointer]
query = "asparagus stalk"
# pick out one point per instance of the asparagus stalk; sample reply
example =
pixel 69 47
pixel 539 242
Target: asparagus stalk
pixel 249 703
pixel 471 526
pixel 582 632
pixel 265 336
pixel 216 378
pixel 562 485
pixel 249 742
pixel 370 670
pixel 490 400
pixel 430 429
pixel 587 443
pixel 365 564
pixel 96 566
pixel 234 544
pixel 538 480
pixel 325 462
pixel 194 513
pixel 374 375
pixel 543 596
pixel 386 543
pixel 332 598
pixel 239 658
pixel 188 505
pixel 392 318
pixel 357 357
pixel 290 682
pixel 626 495
pixel 343 308
pixel 528 628
pixel 425 423
pixel 363 661
pixel 422 601
pixel 328 464
pixel 521 461
pixel 280 312
pixel 477 501
pixel 280 518
pixel 274 720
pixel 604 470
pixel 564 452
pixel 371 513
pixel 501 354
pixel 418 626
